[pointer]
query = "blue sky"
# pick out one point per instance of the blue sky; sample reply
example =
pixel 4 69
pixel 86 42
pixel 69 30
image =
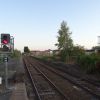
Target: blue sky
pixel 35 23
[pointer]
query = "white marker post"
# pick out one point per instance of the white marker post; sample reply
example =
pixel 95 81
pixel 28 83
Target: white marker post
pixel 0 80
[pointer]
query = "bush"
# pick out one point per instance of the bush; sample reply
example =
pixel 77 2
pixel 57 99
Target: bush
pixel 89 63
pixel 16 54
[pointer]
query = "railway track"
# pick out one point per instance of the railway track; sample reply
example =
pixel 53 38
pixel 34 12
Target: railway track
pixel 86 78
pixel 92 89
pixel 74 74
pixel 43 86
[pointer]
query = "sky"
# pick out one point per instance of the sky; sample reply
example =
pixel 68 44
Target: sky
pixel 35 23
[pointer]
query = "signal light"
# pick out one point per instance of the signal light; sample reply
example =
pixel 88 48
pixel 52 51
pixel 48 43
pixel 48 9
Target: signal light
pixel 5 38
pixel 5 48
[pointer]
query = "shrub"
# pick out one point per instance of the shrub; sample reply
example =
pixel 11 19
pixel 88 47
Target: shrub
pixel 89 63
pixel 16 54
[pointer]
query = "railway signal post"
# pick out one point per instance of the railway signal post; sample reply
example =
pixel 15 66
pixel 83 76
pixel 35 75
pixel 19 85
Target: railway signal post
pixel 7 47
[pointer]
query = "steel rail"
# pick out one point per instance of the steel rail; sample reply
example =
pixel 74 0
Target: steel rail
pixel 67 72
pixel 33 83
pixel 50 82
pixel 72 81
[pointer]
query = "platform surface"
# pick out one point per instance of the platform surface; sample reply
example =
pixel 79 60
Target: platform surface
pixel 19 92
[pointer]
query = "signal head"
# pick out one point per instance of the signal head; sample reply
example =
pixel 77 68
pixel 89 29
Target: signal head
pixel 5 38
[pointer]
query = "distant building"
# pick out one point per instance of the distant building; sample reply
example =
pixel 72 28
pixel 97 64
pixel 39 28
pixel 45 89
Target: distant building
pixel 88 52
pixel 56 52
pixel 95 49
pixel 41 53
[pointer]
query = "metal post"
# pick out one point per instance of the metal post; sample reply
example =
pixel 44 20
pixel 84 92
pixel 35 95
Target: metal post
pixel 12 44
pixel 6 71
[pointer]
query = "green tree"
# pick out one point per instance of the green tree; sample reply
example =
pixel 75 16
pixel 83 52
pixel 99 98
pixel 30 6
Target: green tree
pixel 16 54
pixel 26 50
pixel 65 43
pixel 78 50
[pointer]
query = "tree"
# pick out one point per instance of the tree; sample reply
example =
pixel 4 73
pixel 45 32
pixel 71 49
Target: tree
pixel 26 50
pixel 65 43
pixel 78 50
pixel 16 54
